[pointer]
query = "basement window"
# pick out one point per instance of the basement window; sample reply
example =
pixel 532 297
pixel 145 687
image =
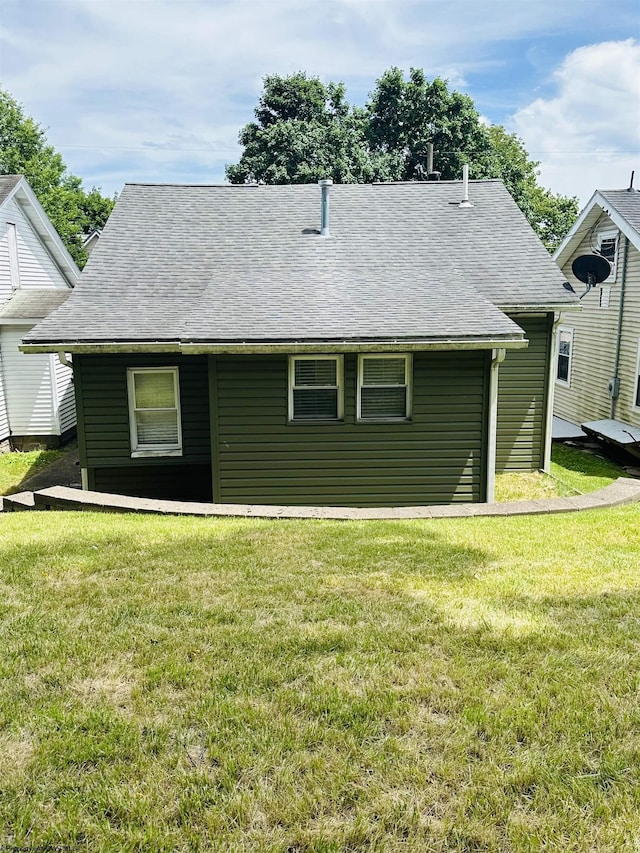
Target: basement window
pixel 315 388
pixel 384 392
pixel 565 354
pixel 154 411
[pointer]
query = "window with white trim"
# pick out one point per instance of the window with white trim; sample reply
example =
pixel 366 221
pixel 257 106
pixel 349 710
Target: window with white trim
pixel 154 411
pixel 565 354
pixel 384 387
pixel 608 248
pixel 316 388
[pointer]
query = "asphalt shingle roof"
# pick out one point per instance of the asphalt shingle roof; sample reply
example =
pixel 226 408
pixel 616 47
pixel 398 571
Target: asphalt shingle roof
pixel 627 203
pixel 33 303
pixel 246 263
pixel 7 183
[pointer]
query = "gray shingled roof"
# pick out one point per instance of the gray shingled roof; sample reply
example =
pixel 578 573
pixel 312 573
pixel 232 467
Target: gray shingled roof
pixel 33 303
pixel 245 263
pixel 627 203
pixel 7 183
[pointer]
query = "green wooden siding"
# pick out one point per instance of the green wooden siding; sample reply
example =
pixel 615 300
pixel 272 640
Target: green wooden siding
pixel 522 399
pixel 105 446
pixel 437 458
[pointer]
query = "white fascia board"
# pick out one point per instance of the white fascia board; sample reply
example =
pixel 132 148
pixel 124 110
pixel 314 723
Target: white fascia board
pixel 33 210
pixel 578 229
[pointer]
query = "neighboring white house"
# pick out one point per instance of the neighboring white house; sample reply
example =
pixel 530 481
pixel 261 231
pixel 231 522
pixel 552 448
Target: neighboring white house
pixel 36 276
pixel 598 368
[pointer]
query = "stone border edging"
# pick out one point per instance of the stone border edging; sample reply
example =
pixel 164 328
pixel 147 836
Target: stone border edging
pixel 623 490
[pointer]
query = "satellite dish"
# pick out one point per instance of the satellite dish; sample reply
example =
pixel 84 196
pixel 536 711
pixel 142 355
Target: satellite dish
pixel 591 269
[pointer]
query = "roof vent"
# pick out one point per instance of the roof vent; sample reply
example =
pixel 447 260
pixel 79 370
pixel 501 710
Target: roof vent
pixel 465 188
pixel 434 176
pixel 325 186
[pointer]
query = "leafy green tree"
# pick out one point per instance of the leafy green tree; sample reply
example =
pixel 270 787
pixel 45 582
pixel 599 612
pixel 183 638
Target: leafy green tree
pixel 305 130
pixel 24 151
pixel 406 116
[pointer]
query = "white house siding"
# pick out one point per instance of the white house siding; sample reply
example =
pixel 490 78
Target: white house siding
pixel 4 417
pixel 28 386
pixel 65 395
pixel 625 409
pixel 37 268
pixel 594 344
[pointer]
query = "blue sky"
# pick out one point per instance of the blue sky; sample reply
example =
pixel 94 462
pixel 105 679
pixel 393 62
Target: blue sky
pixel 157 90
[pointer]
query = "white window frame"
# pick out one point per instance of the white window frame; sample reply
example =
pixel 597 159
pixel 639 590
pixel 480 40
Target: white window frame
pixel 610 234
pixel 137 450
pixel 566 383
pixel 339 388
pixel 408 373
pixel 605 296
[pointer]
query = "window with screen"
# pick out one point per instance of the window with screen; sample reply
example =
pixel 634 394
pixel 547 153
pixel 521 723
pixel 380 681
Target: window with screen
pixel 384 387
pixel 154 411
pixel 565 347
pixel 315 388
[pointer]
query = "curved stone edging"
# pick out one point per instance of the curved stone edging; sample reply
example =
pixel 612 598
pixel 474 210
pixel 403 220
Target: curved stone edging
pixel 624 490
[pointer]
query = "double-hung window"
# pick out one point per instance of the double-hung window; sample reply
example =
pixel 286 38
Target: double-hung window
pixel 565 353
pixel 315 388
pixel 384 387
pixel 154 411
pixel 608 248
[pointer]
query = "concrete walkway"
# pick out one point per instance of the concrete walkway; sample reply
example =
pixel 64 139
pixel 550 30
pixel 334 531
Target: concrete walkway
pixel 624 490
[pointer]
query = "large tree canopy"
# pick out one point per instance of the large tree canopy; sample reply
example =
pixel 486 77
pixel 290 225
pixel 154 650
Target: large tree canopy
pixel 24 151
pixel 306 130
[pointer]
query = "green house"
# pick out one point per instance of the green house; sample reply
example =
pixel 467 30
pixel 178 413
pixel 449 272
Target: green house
pixel 361 345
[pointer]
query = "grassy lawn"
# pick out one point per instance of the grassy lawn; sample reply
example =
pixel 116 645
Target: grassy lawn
pixel 572 472
pixel 15 467
pixel 244 685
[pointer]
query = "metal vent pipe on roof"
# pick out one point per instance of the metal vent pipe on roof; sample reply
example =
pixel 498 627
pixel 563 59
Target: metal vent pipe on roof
pixel 465 187
pixel 325 186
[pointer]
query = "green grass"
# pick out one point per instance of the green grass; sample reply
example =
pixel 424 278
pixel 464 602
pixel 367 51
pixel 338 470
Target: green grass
pixel 15 467
pixel 573 472
pixel 182 684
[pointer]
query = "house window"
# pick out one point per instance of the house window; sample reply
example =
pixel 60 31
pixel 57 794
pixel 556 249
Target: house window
pixel 315 388
pixel 565 353
pixel 154 411
pixel 605 295
pixel 383 387
pixel 608 248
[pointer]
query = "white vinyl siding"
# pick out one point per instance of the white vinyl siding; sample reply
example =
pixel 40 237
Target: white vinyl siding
pixel 36 266
pixel 315 388
pixel 4 417
pixel 154 411
pixel 383 387
pixel 28 384
pixel 593 357
pixel 64 394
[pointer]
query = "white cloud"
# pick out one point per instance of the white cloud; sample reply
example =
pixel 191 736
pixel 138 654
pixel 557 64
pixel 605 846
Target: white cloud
pixel 587 136
pixel 158 89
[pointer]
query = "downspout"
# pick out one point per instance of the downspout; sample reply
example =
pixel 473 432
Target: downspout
pixel 551 390
pixel 623 282
pixel 62 358
pixel 497 357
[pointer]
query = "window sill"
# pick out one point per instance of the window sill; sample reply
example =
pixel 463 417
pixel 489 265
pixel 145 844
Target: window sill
pixel 384 420
pixel 146 454
pixel 310 422
pixel 562 383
